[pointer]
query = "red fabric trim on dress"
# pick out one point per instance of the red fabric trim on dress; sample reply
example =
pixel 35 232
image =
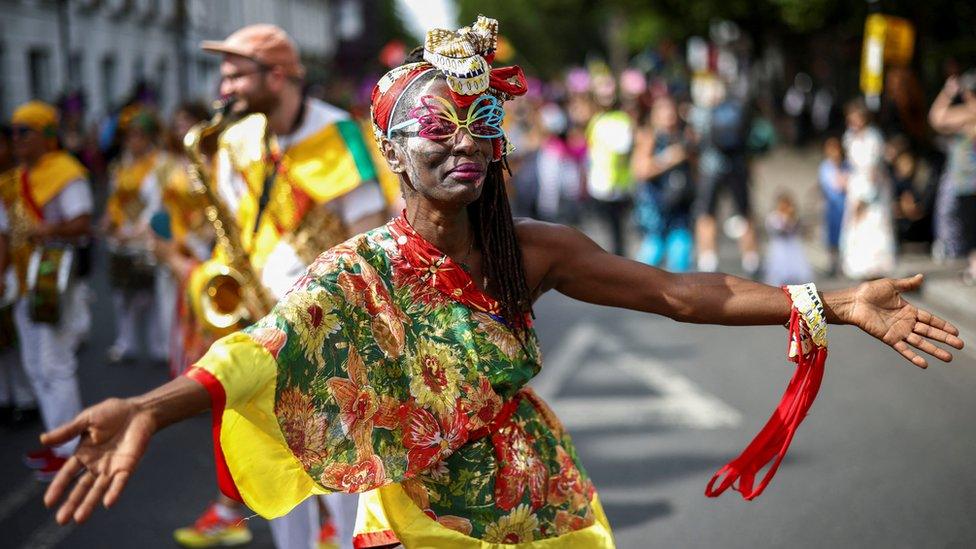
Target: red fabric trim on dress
pixel 217 400
pixel 501 418
pixel 374 539
pixel 773 441
pixel 438 269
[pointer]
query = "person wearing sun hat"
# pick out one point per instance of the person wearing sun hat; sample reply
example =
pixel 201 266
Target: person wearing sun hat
pixel 55 203
pixel 315 170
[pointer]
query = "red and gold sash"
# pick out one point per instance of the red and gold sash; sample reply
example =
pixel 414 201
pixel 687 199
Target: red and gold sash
pixel 39 184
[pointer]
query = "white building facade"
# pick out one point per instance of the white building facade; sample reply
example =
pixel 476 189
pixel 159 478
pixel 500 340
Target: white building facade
pixel 104 47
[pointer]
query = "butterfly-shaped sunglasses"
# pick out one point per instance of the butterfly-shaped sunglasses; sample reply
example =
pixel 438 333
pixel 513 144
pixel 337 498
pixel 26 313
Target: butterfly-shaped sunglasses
pixel 439 120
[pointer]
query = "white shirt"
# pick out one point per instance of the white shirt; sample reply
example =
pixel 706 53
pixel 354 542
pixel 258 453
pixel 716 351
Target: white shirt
pixel 74 200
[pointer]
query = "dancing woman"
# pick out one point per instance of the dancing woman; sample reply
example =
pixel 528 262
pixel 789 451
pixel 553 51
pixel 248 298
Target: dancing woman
pixel 397 365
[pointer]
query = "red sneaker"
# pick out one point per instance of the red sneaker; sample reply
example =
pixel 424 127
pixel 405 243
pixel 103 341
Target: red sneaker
pixel 211 531
pixel 38 458
pixel 50 469
pixel 327 535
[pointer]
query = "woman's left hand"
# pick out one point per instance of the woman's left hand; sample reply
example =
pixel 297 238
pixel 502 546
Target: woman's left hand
pixel 878 308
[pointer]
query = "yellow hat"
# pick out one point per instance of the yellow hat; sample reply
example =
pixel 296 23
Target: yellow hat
pixel 37 115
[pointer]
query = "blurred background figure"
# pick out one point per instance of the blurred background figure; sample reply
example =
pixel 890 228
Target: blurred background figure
pixel 609 139
pixel 721 125
pixel 832 179
pixel 56 204
pixel 867 238
pixel 661 166
pixel 18 405
pixel 182 239
pixel 553 177
pixel 786 261
pixel 953 113
pixel 135 197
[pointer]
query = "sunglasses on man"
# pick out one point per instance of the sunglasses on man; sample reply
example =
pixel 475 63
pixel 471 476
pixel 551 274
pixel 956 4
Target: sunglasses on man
pixel 21 131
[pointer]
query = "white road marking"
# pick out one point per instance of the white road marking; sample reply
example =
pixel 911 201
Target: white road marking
pixel 559 365
pixel 49 535
pixel 18 497
pixel 674 400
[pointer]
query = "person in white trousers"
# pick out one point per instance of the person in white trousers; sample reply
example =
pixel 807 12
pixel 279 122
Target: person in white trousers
pixel 136 196
pixel 57 200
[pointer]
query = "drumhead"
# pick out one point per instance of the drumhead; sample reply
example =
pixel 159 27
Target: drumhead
pixel 10 290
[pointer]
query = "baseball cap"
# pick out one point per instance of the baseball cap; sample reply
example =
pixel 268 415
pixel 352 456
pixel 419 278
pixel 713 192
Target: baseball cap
pixel 266 44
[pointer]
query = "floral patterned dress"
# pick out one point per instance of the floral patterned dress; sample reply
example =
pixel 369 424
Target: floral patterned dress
pixel 387 371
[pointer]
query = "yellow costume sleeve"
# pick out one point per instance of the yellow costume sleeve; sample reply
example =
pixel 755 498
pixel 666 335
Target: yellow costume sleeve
pixel 254 463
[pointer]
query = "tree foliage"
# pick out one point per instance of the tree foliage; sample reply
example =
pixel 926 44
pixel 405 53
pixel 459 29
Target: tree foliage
pixel 551 34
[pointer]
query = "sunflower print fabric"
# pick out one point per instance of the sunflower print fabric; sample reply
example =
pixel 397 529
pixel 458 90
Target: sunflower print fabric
pixel 394 367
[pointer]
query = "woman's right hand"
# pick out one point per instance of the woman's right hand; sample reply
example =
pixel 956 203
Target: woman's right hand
pixel 114 436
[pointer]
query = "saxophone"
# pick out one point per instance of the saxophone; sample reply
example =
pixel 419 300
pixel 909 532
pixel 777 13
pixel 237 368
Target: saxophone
pixel 232 295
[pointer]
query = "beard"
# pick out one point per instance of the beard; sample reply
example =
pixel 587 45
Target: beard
pixel 260 100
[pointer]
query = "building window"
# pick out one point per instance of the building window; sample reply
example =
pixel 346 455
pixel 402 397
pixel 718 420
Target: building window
pixel 39 65
pixel 76 72
pixel 161 78
pixel 208 77
pixel 109 71
pixel 138 69
pixel 3 70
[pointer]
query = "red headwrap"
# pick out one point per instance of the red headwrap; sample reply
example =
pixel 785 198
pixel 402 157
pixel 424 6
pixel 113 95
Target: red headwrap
pixel 388 90
pixel 464 58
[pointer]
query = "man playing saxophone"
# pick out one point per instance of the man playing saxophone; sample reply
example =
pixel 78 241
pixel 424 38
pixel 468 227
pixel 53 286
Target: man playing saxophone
pixel 296 181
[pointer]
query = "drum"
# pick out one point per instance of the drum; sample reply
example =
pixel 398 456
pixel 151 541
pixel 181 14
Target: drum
pixel 49 273
pixel 130 268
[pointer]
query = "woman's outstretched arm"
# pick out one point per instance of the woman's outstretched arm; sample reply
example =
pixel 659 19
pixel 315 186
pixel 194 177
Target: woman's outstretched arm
pixel 114 436
pixel 566 260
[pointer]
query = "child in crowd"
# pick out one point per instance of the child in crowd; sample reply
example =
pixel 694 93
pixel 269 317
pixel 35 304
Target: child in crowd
pixel 786 263
pixel 832 177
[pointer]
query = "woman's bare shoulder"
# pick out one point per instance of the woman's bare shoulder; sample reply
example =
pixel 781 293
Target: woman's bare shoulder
pixel 550 239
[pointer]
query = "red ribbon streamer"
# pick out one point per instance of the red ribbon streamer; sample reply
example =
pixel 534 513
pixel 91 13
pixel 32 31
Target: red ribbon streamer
pixel 773 441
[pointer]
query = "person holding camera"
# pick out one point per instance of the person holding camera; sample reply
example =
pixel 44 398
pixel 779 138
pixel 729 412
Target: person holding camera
pixel 953 113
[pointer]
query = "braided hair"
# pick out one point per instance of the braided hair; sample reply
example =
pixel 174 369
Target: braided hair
pixel 491 220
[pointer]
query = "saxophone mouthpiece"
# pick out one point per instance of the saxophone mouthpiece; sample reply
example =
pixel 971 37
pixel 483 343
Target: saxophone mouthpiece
pixel 223 104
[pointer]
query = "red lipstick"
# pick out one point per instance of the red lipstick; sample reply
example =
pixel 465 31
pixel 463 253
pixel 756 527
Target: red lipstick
pixel 469 171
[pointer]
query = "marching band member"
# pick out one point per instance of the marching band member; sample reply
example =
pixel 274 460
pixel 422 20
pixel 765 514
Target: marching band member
pixel 134 198
pixel 304 164
pixel 187 243
pixel 18 406
pixel 56 201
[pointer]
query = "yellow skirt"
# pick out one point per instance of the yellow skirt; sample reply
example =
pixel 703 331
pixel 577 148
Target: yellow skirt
pixel 387 515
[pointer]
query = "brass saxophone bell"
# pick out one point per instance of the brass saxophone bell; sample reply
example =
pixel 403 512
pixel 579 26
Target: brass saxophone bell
pixel 220 299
